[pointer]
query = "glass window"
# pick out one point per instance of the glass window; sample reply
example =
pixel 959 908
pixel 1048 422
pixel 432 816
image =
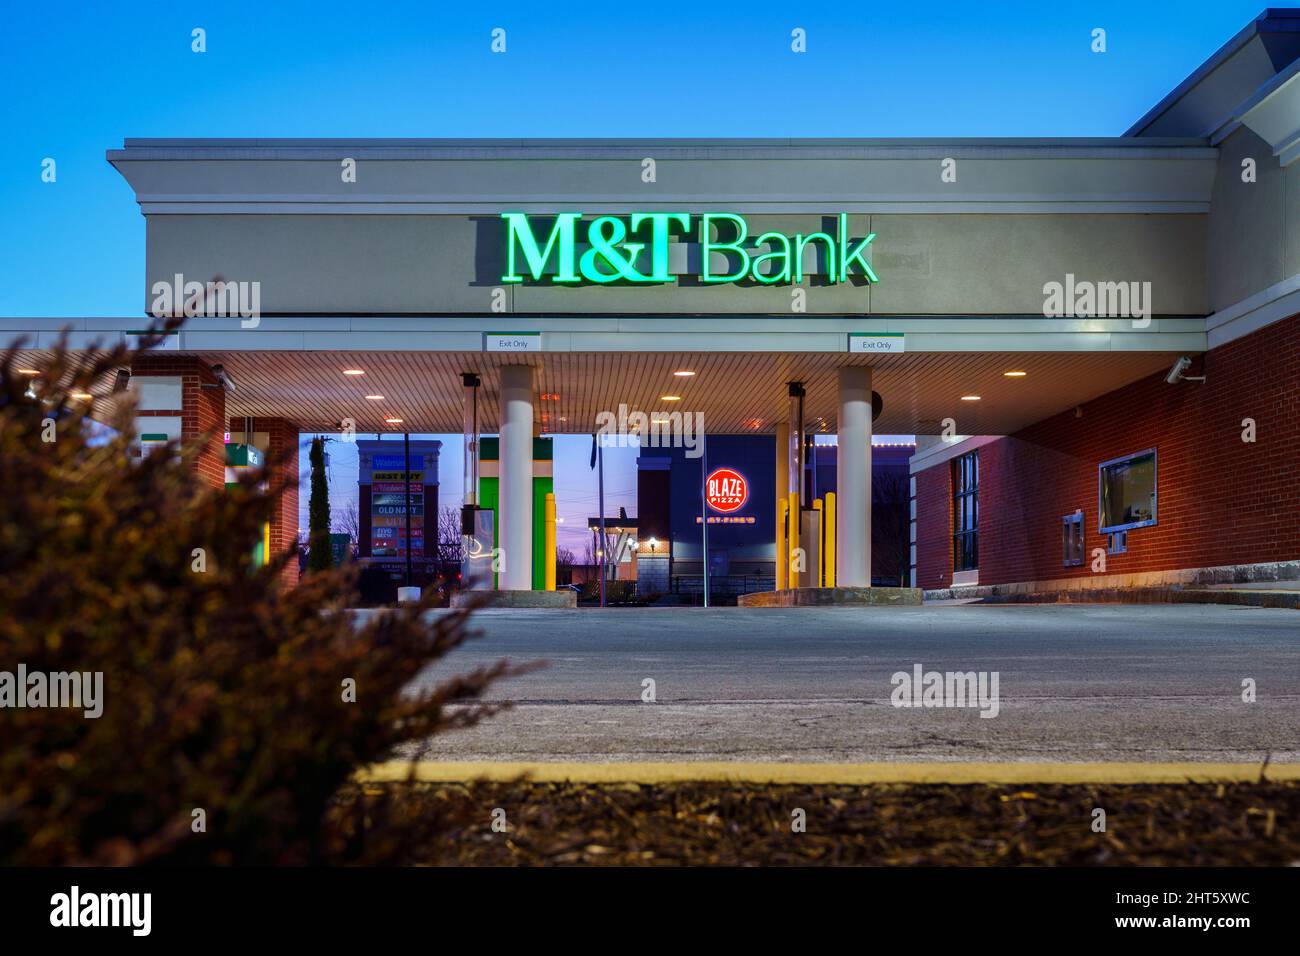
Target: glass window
pixel 965 512
pixel 1072 539
pixel 1126 494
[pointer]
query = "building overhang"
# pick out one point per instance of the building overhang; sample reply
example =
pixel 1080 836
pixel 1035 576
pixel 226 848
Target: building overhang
pixel 478 177
pixel 729 392
pixel 1206 103
pixel 1273 114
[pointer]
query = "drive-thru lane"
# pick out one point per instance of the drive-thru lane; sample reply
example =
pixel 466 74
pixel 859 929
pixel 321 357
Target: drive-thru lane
pixel 1074 682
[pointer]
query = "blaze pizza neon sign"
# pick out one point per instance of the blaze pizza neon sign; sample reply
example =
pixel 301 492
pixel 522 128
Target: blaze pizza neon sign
pixel 726 490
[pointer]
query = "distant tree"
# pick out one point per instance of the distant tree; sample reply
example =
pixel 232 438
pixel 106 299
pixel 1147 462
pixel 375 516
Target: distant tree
pixel 450 543
pixel 318 511
pixel 350 522
pixel 565 559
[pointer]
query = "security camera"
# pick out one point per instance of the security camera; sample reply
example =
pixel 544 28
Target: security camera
pixel 1179 367
pixel 223 377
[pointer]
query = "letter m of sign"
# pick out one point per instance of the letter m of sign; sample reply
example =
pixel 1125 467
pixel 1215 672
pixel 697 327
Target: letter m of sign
pixel 520 238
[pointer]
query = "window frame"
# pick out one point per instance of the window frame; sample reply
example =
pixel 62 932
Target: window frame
pixel 961 494
pixel 1155 492
pixel 1074 519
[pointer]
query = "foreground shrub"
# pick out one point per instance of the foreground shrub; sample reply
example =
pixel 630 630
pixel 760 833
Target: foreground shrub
pixel 226 728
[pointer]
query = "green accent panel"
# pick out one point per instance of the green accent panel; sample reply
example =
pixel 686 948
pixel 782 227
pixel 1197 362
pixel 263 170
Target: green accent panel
pixel 489 449
pixel 489 499
pixel 259 549
pixel 541 488
pixel 154 436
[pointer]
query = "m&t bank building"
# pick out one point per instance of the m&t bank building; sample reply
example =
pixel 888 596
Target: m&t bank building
pixel 1094 341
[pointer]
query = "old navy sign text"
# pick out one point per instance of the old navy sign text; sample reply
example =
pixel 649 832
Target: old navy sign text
pixel 562 248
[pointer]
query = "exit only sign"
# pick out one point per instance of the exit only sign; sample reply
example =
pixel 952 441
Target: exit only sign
pixel 512 341
pixel 876 343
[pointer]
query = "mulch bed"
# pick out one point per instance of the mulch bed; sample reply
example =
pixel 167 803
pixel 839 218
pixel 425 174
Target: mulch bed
pixel 894 825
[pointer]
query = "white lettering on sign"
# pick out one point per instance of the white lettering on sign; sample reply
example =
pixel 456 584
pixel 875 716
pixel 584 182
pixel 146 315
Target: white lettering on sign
pixel 512 341
pixel 876 342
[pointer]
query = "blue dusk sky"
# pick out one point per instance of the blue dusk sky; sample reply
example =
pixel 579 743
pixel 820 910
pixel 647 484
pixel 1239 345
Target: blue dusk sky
pixel 79 77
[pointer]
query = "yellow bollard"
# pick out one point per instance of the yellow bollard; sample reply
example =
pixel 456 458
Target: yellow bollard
pixel 821 544
pixel 782 552
pixel 795 516
pixel 549 558
pixel 828 518
pixel 782 505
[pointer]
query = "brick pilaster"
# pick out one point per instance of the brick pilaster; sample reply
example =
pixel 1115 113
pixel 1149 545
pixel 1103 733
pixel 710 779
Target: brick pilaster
pixel 202 411
pixel 284 522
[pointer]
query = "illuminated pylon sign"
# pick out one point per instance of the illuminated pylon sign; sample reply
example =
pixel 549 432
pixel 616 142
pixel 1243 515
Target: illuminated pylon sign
pixel 715 247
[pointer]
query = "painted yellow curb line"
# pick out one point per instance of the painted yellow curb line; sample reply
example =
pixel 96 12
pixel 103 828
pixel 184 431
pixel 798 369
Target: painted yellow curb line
pixel 829 773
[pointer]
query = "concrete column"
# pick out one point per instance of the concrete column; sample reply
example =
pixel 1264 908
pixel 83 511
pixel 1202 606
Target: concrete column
pixel 516 462
pixel 853 480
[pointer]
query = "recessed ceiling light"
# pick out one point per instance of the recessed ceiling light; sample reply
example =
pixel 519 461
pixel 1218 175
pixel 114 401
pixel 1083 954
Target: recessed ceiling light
pixel 670 398
pixel 393 421
pixel 659 421
pixel 28 371
pixel 550 396
pixel 354 371
pixel 970 398
pixel 375 398
pixel 1015 374
pixel 683 373
pixel 84 396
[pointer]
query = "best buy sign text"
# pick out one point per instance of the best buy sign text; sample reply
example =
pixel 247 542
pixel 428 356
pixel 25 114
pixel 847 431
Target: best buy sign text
pixel 635 249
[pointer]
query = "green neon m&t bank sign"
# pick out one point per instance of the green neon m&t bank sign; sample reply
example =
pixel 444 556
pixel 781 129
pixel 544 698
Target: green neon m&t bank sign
pixel 638 248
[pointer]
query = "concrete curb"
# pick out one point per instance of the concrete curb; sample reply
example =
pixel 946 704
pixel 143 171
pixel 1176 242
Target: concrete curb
pixel 1243 597
pixel 1184 579
pixel 832 597
pixel 859 774
pixel 514 599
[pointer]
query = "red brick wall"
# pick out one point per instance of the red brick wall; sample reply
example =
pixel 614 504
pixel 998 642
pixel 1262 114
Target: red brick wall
pixel 1220 500
pixel 934 527
pixel 284 522
pixel 203 415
